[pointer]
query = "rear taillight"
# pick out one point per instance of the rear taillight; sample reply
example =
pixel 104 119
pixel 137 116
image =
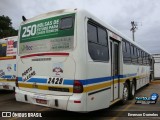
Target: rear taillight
pixel 77 87
pixel 16 82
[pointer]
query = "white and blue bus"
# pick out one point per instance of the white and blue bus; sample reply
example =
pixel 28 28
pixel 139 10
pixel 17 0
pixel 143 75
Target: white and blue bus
pixel 73 61
pixel 8 62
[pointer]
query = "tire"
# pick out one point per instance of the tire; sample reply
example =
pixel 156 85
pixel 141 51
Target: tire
pixel 150 79
pixel 14 89
pixel 125 95
pixel 132 91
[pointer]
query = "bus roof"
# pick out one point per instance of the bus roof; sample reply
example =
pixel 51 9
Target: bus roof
pixel 85 13
pixel 2 41
pixel 11 37
pixel 112 29
pixel 49 14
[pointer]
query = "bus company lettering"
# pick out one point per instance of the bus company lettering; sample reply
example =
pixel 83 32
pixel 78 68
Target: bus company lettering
pixel 58 70
pixel 11 50
pixel 40 28
pixel 10 42
pixel 47 27
pixel 9 67
pixel 26 47
pixel 28 74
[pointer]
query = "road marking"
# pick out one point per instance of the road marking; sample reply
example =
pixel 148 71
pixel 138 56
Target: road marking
pixel 15 118
pixel 125 109
pixel 155 82
pixel 44 109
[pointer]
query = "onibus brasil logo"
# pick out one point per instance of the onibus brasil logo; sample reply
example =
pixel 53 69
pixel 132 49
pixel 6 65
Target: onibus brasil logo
pixel 147 100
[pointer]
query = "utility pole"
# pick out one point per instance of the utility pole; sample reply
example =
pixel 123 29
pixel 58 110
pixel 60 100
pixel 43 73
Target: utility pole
pixel 133 29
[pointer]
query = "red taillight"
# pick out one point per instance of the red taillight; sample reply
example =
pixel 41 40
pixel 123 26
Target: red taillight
pixel 77 87
pixel 16 81
pixel 77 101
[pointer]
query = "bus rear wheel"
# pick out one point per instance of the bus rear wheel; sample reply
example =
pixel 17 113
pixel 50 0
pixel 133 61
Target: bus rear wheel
pixel 125 93
pixel 132 91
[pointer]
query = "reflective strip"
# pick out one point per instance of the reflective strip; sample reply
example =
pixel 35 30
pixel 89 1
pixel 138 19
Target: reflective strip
pixel 45 54
pixel 8 58
pixel 10 80
pixel 95 87
pixel 41 87
pixel 92 87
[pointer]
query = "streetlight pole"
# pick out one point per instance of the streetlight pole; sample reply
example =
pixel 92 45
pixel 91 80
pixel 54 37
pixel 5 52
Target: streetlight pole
pixel 133 29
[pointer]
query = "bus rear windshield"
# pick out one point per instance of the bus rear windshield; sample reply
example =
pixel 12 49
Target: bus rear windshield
pixel 66 23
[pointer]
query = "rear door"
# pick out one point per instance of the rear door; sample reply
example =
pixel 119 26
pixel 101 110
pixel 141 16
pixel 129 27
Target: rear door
pixel 115 68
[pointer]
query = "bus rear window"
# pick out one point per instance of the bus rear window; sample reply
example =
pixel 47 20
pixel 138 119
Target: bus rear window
pixel 66 23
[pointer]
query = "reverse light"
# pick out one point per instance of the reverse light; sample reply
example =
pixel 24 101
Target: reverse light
pixel 77 87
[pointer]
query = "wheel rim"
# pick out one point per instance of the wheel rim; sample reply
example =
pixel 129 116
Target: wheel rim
pixel 125 93
pixel 133 90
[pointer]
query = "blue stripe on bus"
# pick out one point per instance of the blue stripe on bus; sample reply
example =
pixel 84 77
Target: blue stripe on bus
pixel 97 80
pixel 7 76
pixel 68 82
pixel 84 82
pixel 38 80
pixel 19 78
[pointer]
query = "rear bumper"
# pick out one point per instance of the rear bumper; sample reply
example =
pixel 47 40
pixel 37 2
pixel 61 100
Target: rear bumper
pixel 58 102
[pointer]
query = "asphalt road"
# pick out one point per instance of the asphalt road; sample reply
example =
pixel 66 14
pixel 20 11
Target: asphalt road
pixel 115 112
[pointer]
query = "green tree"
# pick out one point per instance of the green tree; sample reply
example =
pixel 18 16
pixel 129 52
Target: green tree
pixel 6 29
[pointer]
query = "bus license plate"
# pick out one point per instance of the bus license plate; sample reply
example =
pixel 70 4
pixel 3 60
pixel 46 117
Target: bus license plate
pixel 41 101
pixel 5 86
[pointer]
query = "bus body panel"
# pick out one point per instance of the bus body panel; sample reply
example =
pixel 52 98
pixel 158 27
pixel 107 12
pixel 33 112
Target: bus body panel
pixel 47 77
pixel 73 69
pixel 50 99
pixel 8 67
pixel 8 64
pixel 140 73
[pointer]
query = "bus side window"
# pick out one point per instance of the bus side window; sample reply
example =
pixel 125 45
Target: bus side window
pixel 126 52
pixel 132 52
pixel 97 42
pixel 92 33
pixel 124 46
pixel 137 51
pixel 135 55
pixel 142 58
pixel 102 37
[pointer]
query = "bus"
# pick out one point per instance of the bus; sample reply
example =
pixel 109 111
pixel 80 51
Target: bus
pixel 156 66
pixel 8 59
pixel 71 60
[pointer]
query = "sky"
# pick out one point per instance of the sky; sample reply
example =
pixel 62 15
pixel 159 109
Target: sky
pixel 117 13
